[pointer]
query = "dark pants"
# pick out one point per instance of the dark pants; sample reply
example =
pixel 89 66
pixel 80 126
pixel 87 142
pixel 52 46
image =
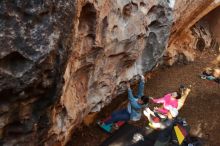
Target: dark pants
pixel 164 136
pixel 121 115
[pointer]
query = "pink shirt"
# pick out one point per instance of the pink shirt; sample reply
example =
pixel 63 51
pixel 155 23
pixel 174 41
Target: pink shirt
pixel 167 101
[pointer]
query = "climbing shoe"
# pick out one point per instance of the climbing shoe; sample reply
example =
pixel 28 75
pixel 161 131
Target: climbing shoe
pixel 105 127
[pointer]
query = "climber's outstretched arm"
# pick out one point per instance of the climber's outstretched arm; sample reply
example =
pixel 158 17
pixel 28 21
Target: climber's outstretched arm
pixel 182 100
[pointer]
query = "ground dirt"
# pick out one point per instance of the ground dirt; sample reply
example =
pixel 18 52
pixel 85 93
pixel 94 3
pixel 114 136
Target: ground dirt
pixel 201 110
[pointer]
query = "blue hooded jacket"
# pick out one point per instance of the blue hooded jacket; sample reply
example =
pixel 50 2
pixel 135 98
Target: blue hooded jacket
pixel 134 108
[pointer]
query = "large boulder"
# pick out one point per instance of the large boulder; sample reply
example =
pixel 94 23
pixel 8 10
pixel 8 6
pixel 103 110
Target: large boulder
pixel 194 28
pixel 35 38
pixel 98 44
pixel 61 60
pixel 114 41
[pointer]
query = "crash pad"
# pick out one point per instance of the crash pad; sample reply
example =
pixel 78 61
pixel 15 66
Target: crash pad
pixel 130 135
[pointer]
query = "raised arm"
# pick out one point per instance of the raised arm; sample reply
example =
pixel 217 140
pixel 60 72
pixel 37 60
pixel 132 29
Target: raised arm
pixel 130 94
pixel 132 99
pixel 182 100
pixel 141 87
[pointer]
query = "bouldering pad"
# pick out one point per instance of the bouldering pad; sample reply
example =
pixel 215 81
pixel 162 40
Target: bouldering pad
pixel 130 135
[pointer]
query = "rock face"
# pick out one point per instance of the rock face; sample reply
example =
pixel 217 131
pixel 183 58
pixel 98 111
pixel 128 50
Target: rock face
pixel 35 38
pixel 214 22
pixel 61 60
pixel 110 41
pixel 191 30
pixel 114 41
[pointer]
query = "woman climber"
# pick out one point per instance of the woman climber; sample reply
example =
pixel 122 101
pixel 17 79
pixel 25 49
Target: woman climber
pixel 172 102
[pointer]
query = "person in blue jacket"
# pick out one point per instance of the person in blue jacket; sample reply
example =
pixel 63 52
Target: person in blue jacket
pixel 134 108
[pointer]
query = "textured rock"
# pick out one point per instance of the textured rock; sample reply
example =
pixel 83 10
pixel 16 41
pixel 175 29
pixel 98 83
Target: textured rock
pixel 184 49
pixel 36 38
pixel 185 35
pixel 94 45
pixel 114 41
pixel 214 22
pixel 35 41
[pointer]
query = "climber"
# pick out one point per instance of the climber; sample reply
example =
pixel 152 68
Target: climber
pixel 175 100
pixel 172 102
pixel 133 110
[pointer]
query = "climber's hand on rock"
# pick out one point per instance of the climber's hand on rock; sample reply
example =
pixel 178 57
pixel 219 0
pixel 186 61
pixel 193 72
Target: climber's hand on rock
pixel 142 77
pixel 128 85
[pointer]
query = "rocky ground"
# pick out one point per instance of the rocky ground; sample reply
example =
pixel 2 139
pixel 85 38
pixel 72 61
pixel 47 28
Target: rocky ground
pixel 201 109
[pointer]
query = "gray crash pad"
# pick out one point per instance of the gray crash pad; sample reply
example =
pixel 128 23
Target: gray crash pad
pixel 130 135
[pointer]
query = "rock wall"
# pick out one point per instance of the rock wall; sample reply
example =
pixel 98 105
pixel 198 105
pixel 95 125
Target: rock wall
pixel 214 22
pixel 35 37
pixel 61 60
pixel 109 42
pixel 114 41
pixel 190 30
